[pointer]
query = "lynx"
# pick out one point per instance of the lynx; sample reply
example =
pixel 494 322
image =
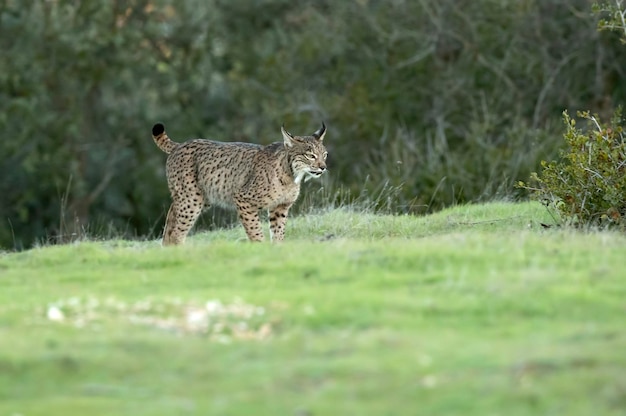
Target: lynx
pixel 245 176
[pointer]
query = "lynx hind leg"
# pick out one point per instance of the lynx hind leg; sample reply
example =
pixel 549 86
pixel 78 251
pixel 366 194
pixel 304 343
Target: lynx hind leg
pixel 181 217
pixel 278 219
pixel 249 217
pixel 170 224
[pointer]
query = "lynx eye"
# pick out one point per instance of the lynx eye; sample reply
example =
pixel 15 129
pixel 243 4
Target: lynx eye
pixel 310 156
pixel 325 155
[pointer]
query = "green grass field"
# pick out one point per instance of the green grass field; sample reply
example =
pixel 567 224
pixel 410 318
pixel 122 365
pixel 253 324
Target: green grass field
pixel 476 310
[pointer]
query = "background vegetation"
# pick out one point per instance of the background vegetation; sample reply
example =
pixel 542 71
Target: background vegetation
pixel 440 101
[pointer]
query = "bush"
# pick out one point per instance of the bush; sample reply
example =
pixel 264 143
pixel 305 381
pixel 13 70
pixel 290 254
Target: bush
pixel 587 186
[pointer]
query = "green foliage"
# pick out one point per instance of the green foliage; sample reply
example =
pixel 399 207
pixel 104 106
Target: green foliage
pixel 80 86
pixel 587 185
pixel 613 17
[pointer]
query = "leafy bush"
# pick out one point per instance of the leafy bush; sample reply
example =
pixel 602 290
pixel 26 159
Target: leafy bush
pixel 587 186
pixel 613 17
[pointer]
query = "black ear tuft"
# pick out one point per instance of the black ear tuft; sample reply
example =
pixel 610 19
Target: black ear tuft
pixel 158 128
pixel 319 134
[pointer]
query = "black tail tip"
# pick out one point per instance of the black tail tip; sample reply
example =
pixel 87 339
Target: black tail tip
pixel 158 128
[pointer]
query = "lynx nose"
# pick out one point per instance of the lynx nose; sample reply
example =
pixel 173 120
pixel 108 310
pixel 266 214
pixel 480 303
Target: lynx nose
pixel 317 171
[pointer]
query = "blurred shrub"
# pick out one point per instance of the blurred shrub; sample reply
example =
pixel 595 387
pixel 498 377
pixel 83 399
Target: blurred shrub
pixel 451 101
pixel 80 85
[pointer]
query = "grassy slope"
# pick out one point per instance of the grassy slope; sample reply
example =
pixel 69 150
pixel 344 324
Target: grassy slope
pixel 475 310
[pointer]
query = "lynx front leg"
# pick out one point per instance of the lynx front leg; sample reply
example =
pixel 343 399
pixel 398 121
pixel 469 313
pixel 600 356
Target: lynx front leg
pixel 249 217
pixel 278 219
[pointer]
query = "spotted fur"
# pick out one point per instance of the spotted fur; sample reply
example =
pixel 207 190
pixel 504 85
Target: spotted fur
pixel 245 176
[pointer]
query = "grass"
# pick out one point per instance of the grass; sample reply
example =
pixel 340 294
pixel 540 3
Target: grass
pixel 476 310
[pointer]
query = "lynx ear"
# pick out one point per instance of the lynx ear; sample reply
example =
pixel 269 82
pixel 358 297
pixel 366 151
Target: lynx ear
pixel 319 134
pixel 287 137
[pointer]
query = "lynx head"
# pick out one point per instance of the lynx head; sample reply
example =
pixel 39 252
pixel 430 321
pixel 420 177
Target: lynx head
pixel 307 154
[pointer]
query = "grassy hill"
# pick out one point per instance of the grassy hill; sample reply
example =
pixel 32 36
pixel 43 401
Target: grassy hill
pixel 476 310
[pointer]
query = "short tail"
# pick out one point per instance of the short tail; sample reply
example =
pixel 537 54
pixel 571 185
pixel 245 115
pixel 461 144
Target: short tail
pixel 162 139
